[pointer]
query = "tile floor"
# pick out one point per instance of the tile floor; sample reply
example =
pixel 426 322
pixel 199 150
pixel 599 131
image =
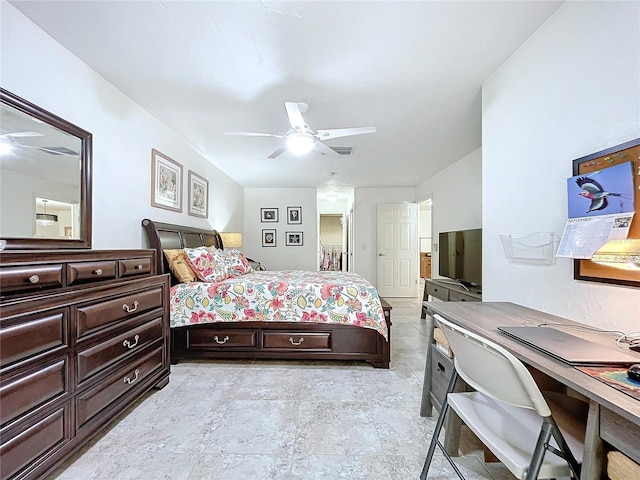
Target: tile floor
pixel 277 420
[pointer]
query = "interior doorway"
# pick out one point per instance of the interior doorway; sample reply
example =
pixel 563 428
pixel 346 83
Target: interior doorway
pixel 335 227
pixel 425 238
pixel 331 242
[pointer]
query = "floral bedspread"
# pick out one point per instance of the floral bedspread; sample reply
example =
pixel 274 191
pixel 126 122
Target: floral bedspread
pixel 280 296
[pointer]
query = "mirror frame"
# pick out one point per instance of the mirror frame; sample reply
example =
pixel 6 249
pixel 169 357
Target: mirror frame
pixel 17 243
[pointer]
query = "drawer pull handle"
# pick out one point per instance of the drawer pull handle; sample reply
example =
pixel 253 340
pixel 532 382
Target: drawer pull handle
pixel 296 343
pixel 98 271
pixel 138 267
pixel 221 342
pixel 130 345
pixel 34 278
pixel 440 367
pixel 128 309
pixel 133 380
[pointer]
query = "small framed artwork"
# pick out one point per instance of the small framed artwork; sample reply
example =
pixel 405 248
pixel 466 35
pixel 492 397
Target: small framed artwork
pixel 293 239
pixel 198 195
pixel 166 182
pixel 268 215
pixel 269 237
pixel 294 215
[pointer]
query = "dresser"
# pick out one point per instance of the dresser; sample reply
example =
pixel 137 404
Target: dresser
pixel 83 334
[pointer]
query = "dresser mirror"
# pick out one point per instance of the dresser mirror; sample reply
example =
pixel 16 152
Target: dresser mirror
pixel 45 178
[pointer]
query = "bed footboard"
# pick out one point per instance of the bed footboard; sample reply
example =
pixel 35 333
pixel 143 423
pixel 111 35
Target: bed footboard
pixel 282 340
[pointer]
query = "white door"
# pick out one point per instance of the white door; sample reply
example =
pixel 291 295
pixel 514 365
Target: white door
pixel 397 249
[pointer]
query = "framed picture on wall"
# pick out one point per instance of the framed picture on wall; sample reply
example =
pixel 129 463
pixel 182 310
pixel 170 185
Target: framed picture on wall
pixel 198 195
pixel 166 182
pixel 294 215
pixel 268 215
pixel 269 237
pixel 293 239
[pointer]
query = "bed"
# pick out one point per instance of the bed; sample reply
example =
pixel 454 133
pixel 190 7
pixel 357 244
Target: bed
pixel 258 315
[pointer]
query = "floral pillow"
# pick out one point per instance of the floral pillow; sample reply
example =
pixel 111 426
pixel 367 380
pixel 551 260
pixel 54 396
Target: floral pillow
pixel 179 266
pixel 208 264
pixel 237 263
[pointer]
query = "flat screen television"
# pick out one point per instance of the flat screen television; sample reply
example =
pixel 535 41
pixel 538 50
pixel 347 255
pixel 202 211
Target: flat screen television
pixel 460 256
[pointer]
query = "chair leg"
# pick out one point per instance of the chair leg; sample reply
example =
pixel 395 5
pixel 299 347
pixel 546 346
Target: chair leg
pixel 539 451
pixel 436 433
pixel 565 451
pixel 550 428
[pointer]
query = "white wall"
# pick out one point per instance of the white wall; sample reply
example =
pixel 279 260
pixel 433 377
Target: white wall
pixel 38 69
pixel 572 89
pixel 456 193
pixel 281 257
pixel 366 200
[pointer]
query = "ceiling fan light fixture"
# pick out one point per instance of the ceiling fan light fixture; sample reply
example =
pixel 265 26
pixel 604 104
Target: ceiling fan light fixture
pixel 300 143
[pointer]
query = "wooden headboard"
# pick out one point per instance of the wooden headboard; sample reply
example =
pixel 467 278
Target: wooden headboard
pixel 164 236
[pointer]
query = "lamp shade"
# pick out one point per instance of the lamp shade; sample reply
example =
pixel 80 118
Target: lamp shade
pixel 231 239
pixel 623 254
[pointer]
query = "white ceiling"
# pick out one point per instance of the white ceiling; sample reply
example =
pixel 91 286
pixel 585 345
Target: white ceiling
pixel 413 70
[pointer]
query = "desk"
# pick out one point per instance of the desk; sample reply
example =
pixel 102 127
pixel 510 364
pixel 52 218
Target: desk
pixel 614 417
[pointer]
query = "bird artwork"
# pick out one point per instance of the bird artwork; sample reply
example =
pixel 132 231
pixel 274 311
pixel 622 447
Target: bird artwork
pixel 592 190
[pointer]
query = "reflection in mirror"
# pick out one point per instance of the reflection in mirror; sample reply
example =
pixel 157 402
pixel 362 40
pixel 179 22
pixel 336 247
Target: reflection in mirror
pixel 55 219
pixel 45 164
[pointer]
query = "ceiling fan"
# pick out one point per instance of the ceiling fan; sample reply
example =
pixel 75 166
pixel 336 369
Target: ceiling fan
pixel 8 140
pixel 300 139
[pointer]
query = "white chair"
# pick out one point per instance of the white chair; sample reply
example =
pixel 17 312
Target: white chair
pixel 507 411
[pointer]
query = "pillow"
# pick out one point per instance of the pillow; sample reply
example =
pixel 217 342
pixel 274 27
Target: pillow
pixel 237 263
pixel 179 266
pixel 208 264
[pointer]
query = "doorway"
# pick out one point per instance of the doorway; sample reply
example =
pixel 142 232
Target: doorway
pixel 425 237
pixel 331 242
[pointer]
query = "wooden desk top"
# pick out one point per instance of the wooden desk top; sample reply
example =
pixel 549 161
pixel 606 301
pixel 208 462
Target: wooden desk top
pixel 483 318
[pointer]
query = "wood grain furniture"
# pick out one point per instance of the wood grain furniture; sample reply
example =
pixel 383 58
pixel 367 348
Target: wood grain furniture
pixel 439 365
pixel 84 333
pixel 425 265
pixel 270 340
pixel 614 417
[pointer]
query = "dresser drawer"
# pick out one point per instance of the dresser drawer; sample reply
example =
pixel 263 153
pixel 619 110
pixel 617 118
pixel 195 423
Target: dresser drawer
pixel 30 335
pixel 30 278
pixel 124 381
pixel 441 371
pixel 220 339
pixel 21 393
pixel 296 341
pixel 94 359
pixel 91 318
pixel 82 272
pixel 134 266
pixel 455 296
pixel 34 441
pixel 441 293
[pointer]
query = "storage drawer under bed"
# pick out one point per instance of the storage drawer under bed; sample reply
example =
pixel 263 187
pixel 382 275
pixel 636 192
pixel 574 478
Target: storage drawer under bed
pixel 208 339
pixel 273 340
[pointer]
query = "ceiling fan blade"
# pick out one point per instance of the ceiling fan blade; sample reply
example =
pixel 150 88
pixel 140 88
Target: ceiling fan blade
pixel 278 152
pixel 344 132
pixel 22 134
pixel 322 148
pixel 254 134
pixel 295 115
